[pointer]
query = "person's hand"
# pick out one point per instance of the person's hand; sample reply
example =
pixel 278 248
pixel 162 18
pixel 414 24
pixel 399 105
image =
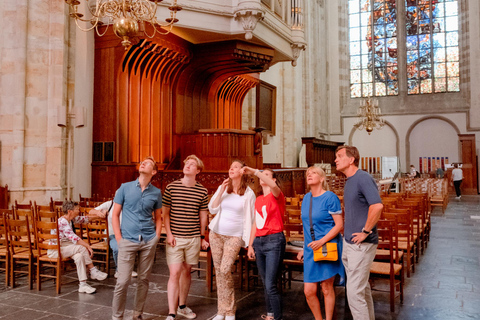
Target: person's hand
pixel 251 253
pixel 90 251
pixel 359 237
pixel 248 170
pixel 102 213
pixel 224 185
pixel 205 244
pixel 315 245
pixel 171 240
pixel 300 255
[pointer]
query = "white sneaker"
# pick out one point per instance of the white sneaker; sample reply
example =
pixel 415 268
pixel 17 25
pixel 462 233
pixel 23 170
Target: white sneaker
pixel 170 318
pixel 186 312
pixel 218 317
pixel 86 288
pixel 96 274
pixel 230 318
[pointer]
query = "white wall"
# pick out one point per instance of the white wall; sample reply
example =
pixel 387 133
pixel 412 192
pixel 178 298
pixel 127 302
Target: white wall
pixel 433 138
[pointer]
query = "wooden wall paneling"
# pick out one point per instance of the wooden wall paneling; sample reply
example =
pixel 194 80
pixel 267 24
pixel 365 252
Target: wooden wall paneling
pixel 469 161
pixel 133 116
pixel 146 121
pixel 123 115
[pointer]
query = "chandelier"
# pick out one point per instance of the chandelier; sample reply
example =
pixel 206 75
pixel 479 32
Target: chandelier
pixel 370 115
pixel 126 16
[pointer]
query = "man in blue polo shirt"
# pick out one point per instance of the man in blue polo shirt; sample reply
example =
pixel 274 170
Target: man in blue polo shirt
pixel 138 234
pixel 363 207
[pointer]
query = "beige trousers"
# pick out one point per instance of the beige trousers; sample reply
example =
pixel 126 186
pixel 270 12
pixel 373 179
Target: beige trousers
pixel 78 253
pixel 357 260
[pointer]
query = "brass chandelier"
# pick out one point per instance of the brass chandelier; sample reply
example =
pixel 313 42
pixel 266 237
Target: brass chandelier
pixel 370 115
pixel 126 16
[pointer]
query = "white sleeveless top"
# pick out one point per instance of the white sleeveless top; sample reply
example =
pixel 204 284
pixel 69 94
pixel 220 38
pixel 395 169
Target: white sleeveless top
pixel 231 220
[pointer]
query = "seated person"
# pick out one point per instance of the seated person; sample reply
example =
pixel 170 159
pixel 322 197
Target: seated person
pixel 108 207
pixel 73 246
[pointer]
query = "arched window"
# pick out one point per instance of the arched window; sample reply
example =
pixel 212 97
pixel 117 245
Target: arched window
pixel 430 39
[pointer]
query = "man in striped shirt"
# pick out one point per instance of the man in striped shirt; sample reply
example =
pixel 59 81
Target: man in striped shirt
pixel 185 205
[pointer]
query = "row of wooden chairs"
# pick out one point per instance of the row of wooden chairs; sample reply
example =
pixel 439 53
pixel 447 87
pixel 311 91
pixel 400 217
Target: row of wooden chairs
pixel 25 238
pixel 404 232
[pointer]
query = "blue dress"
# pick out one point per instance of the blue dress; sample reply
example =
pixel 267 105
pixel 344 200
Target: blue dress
pixel 324 207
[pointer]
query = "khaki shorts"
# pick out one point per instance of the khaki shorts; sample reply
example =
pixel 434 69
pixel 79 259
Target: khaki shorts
pixel 186 250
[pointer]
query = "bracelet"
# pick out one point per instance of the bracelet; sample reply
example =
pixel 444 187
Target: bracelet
pixel 202 237
pixel 256 173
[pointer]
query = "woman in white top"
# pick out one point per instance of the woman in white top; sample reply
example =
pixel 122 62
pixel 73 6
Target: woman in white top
pixel 233 205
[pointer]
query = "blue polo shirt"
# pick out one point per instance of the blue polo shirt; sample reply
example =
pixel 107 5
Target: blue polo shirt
pixel 137 208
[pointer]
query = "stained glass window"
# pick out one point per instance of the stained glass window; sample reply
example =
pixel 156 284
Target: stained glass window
pixel 373 48
pixel 431 42
pixel 432 46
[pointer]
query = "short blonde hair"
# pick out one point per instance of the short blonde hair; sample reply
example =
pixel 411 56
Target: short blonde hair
pixel 321 173
pixel 153 160
pixel 194 157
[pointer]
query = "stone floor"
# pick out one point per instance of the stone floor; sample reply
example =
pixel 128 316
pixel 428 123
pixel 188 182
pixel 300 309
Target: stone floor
pixel 445 285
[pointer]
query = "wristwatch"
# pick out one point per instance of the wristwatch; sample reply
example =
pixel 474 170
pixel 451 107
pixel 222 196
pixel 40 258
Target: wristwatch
pixel 202 237
pixel 366 232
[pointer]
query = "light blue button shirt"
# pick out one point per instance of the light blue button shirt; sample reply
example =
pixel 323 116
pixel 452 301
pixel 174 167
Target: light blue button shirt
pixel 137 208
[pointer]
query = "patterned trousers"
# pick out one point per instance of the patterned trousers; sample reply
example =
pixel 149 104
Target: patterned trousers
pixel 225 250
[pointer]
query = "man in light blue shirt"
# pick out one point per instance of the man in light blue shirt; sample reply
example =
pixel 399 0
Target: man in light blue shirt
pixel 137 235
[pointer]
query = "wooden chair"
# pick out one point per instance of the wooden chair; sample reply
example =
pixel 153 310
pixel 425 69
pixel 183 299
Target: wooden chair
pixel 43 237
pixel 21 249
pixel 4 250
pixel 392 269
pixel 98 239
pixel 416 209
pixel 405 242
pixel 205 263
pixel 293 232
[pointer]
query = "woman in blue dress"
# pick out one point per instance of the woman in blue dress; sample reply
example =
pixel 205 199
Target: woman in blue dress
pixel 327 224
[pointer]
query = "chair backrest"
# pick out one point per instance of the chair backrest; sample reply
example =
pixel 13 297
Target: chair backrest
pixel 294 216
pixel 391 224
pixel 45 239
pixel 22 210
pixel 97 230
pixel 45 213
pixel 385 242
pixel 19 237
pixel 293 231
pixel 4 214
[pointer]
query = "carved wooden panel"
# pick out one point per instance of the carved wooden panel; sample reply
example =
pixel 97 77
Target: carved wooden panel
pixel 320 151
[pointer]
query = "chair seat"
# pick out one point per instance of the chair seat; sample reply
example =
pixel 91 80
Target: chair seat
pixel 48 259
pixel 100 246
pixel 25 254
pixel 384 253
pixel 383 268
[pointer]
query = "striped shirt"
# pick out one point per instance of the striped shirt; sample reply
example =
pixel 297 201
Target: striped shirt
pixel 185 205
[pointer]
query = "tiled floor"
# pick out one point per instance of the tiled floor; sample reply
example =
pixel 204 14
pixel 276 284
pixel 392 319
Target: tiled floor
pixel 445 285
